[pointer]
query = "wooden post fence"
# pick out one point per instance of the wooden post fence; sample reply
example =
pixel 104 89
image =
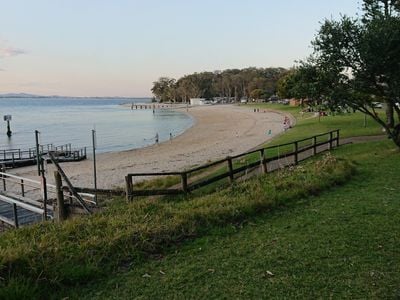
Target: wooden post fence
pixel 129 188
pixel 314 145
pixel 230 169
pixel 184 182
pixel 263 161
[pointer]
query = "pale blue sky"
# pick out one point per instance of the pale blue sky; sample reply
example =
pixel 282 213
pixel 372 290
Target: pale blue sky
pixel 118 48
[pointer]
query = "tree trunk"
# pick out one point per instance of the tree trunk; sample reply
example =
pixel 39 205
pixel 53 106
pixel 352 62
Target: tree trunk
pixel 389 114
pixel 396 135
pixel 236 94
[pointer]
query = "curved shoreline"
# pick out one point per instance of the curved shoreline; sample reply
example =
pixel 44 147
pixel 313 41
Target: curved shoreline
pixel 217 131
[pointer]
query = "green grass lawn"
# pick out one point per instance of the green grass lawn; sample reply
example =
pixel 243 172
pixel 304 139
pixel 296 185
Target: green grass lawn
pixel 342 244
pixel 350 124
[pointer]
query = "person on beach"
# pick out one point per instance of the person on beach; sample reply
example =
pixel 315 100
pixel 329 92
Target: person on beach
pixel 156 138
pixel 286 123
pixel 170 136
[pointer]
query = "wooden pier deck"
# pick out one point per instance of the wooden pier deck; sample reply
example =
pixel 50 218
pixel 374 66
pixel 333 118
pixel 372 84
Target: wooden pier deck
pixel 14 158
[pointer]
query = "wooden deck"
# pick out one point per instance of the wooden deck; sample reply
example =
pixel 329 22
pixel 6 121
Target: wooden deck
pixel 15 158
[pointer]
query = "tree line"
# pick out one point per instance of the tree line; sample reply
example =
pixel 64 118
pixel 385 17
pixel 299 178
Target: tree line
pixel 235 84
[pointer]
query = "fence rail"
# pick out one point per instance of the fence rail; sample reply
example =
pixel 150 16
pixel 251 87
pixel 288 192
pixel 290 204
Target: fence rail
pixel 20 197
pixel 233 165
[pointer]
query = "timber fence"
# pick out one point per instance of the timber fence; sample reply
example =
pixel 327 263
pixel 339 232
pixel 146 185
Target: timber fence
pixel 265 159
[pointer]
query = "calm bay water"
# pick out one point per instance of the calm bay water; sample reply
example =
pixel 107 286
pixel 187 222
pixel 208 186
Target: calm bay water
pixel 70 120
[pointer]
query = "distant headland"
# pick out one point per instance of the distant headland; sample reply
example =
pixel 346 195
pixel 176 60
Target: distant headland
pixel 25 95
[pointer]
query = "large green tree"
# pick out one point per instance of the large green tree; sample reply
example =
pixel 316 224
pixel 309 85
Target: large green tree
pixel 357 62
pixel 164 89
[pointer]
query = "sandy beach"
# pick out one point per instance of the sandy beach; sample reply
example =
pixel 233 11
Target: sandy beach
pixel 218 131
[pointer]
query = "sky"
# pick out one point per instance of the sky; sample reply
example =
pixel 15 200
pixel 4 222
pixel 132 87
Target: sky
pixel 119 47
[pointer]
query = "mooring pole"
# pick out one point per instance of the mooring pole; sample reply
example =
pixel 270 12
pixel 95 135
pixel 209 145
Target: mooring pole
pixel 94 165
pixel 8 129
pixel 7 118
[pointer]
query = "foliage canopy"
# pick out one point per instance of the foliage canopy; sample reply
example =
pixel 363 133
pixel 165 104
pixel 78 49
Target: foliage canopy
pixel 356 62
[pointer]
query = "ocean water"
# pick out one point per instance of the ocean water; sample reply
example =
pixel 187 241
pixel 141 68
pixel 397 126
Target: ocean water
pixel 71 120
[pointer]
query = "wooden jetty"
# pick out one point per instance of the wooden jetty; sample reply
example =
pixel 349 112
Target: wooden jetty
pixel 14 158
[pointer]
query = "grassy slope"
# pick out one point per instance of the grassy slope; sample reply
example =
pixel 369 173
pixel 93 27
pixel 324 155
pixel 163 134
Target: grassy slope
pixel 349 124
pixel 341 244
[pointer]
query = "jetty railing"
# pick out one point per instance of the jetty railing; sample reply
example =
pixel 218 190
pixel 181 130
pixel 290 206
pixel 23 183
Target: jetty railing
pixel 232 167
pixel 18 158
pixel 23 193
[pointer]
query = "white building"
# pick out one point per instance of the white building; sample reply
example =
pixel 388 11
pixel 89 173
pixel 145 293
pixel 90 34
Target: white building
pixel 197 101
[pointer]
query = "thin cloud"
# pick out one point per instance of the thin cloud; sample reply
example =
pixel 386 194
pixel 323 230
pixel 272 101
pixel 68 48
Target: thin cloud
pixel 10 51
pixel 7 50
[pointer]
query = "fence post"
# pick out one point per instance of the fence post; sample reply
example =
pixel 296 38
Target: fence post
pixel 15 215
pixel 314 145
pixel 184 182
pixel 330 140
pixel 337 138
pixel 22 188
pixel 129 188
pixel 296 155
pixel 60 211
pixel 230 169
pixel 263 161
